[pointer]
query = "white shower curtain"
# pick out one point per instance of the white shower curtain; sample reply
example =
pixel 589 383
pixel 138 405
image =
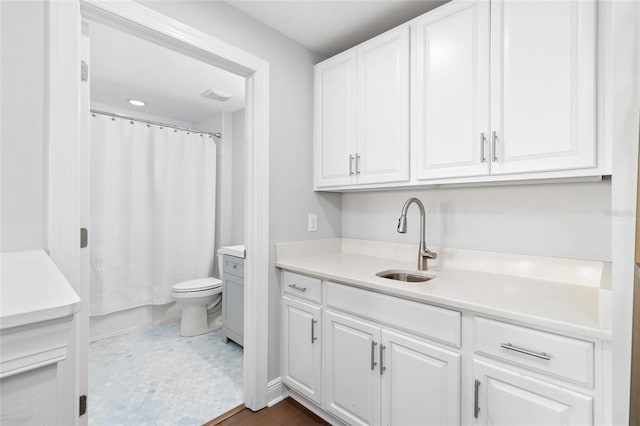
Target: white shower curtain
pixel 152 212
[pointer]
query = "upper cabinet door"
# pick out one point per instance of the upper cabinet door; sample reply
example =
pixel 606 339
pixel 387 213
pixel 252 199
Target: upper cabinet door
pixel 383 108
pixel 543 85
pixel 334 117
pixel 450 96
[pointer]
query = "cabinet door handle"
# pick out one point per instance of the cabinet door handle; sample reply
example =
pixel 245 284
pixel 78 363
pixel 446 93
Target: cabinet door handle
pixel 350 165
pixel 357 163
pixel 313 331
pixel 476 406
pixel 373 348
pixel 295 287
pixel 483 141
pixel 382 367
pixel 541 355
pixel 494 142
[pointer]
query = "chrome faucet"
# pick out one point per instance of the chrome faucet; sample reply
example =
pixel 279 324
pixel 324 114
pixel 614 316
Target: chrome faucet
pixel 423 252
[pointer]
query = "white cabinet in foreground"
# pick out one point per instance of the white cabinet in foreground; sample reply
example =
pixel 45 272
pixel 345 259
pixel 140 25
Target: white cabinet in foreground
pixel 376 375
pixel 302 350
pixel 507 397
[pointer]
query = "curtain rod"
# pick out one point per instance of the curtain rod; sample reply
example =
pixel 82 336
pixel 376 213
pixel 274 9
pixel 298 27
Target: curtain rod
pixel 155 123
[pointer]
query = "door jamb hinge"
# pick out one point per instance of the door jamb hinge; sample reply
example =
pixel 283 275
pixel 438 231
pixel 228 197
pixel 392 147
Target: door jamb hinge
pixel 84 237
pixel 83 405
pixel 84 71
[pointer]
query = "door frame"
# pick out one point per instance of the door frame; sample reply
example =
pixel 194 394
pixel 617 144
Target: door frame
pixel 65 190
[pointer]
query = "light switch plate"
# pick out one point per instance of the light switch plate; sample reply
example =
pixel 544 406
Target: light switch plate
pixel 313 222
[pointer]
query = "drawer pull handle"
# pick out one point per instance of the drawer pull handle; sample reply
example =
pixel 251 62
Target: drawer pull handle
pixel 382 367
pixel 295 287
pixel 313 331
pixel 541 355
pixel 373 348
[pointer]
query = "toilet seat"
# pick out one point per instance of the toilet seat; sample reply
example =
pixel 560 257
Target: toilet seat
pixel 197 285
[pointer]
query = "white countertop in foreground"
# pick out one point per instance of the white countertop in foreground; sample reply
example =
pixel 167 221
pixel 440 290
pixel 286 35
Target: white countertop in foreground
pixel 567 306
pixel 32 289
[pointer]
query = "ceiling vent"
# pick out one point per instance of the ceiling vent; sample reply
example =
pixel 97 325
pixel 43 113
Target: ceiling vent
pixel 216 95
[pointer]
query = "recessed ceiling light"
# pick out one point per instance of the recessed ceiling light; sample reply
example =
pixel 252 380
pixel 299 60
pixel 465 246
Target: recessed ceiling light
pixel 137 102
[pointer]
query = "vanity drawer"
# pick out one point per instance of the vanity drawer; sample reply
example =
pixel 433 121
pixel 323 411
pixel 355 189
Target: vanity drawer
pixel 233 265
pixel 418 318
pixel 549 353
pixel 302 286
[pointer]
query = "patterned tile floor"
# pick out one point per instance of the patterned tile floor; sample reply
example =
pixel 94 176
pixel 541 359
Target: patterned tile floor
pixel 155 377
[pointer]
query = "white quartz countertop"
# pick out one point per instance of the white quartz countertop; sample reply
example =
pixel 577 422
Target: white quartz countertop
pixel 548 303
pixel 33 289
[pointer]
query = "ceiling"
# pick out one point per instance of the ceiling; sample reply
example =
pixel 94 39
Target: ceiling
pixel 328 27
pixel 126 67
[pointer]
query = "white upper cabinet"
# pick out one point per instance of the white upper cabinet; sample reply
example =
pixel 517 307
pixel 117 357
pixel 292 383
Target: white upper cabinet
pixel 362 113
pixel 335 119
pixel 383 108
pixel 543 85
pixel 450 96
pixel 480 91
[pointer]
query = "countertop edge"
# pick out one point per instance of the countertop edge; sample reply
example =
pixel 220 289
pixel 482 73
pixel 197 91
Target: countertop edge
pixel 526 319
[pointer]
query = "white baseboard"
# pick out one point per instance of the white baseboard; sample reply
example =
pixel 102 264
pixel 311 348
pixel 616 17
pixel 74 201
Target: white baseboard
pixel 276 392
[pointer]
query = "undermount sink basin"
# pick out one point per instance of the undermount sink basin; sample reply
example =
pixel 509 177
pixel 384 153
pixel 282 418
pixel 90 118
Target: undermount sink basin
pixel 406 276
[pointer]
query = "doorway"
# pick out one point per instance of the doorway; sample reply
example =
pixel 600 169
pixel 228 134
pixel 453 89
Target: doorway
pixel 166 143
pixel 66 162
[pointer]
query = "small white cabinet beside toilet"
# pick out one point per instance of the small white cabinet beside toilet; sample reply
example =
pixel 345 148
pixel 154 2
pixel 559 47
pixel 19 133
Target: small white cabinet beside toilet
pixel 233 298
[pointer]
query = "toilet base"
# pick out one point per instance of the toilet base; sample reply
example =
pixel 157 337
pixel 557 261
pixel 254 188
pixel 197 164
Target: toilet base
pixel 194 321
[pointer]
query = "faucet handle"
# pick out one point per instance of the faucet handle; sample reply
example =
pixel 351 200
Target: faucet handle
pixel 429 254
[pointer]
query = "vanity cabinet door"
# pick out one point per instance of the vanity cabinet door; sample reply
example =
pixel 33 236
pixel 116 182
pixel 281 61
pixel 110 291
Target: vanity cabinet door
pixel 543 60
pixel 506 397
pixel 352 376
pixel 301 350
pixel 450 96
pixel 420 382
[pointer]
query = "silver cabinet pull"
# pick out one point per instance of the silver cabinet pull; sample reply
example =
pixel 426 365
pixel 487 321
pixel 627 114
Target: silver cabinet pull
pixel 476 406
pixel 483 141
pixel 313 332
pixel 350 165
pixel 295 287
pixel 357 163
pixel 494 142
pixel 382 367
pixel 541 355
pixel 373 348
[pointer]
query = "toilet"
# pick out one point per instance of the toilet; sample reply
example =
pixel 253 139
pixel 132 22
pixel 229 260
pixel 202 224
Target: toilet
pixel 194 296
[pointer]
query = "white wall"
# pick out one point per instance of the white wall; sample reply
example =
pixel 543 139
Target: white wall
pixel 291 112
pixel 237 178
pixel 570 220
pixel 23 149
pixel 219 123
pixel 140 114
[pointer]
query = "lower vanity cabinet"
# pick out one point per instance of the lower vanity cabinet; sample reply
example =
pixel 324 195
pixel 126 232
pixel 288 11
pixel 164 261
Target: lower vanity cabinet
pixel 375 375
pixel 510 388
pixel 301 350
pixel 504 396
pixel 351 369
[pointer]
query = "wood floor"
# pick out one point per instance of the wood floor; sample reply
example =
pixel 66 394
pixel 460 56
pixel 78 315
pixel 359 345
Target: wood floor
pixel 285 413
